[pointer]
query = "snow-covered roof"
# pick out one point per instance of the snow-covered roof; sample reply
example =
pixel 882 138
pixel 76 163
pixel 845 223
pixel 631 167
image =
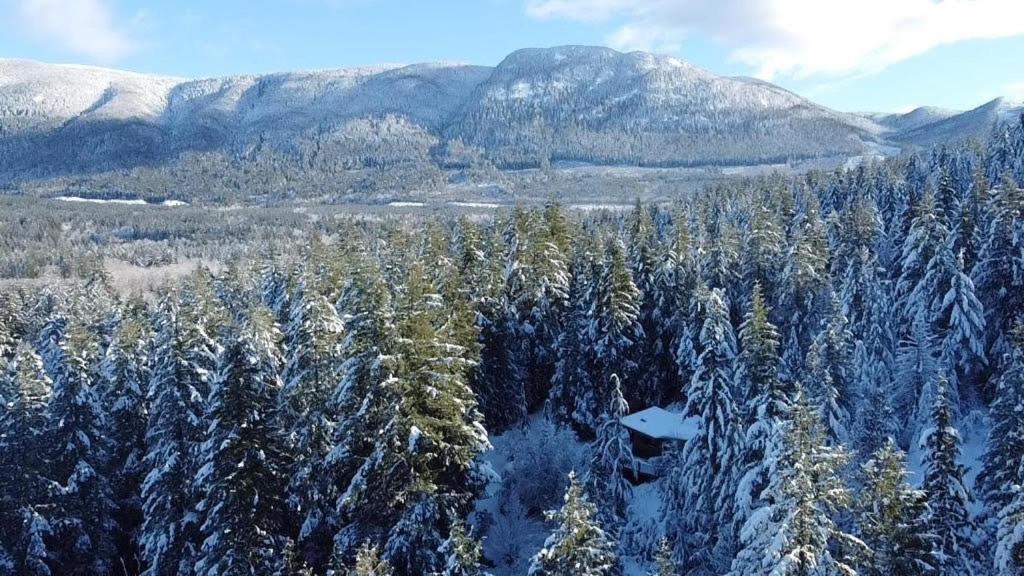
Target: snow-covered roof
pixel 661 424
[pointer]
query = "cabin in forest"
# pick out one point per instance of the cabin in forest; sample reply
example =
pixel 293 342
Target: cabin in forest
pixel 651 432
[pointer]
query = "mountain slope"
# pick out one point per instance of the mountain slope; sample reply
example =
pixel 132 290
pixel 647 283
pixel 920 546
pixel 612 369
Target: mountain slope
pixel 573 103
pixel 603 106
pixel 974 123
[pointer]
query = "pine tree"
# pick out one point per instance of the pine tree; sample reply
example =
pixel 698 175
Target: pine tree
pixel 830 365
pixel 666 566
pixel 423 471
pixel 462 553
pixel 917 368
pixel 1000 471
pixel 243 466
pixel 613 458
pixel 83 528
pixel 893 518
pixel 961 320
pixel 369 563
pixel 926 237
pixel 364 403
pixel 616 334
pixel 124 376
pixel 500 392
pixel 573 382
pixel 948 496
pixel 704 477
pixel 795 532
pixel 764 407
pixel 311 369
pixel 24 392
pixel 1009 538
pixel 578 545
pixel 170 532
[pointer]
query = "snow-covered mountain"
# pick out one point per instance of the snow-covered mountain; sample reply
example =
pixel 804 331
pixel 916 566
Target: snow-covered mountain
pixel 576 103
pixel 903 122
pixel 972 123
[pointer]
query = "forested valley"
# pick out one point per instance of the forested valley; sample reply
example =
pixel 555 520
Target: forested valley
pixel 408 396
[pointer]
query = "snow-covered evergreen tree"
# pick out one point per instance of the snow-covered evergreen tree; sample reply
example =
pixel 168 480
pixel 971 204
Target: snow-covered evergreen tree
pixel 578 545
pixel 170 535
pixel 893 518
pixel 830 366
pixel 423 469
pixel 244 462
pixel 615 333
pixel 764 406
pixel 1000 473
pixel 704 476
pixel 24 392
pixel 462 553
pixel 124 377
pixel 81 516
pixel 795 531
pixel 613 459
pixel 948 496
pixel 311 369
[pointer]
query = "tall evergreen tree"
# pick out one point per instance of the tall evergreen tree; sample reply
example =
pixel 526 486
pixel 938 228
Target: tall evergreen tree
pixel 578 545
pixel 893 518
pixel 81 516
pixel 613 459
pixel 1000 471
pixel 170 535
pixel 948 496
pixel 244 462
pixel 764 407
pixel 830 364
pixel 795 531
pixel 25 391
pixel 705 474
pixel 423 472
pixel 124 376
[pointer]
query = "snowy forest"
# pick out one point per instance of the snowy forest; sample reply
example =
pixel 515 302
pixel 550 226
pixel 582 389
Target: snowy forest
pixel 441 395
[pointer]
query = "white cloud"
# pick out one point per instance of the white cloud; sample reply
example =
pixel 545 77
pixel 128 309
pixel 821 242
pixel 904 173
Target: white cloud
pixel 88 28
pixel 1015 91
pixel 798 37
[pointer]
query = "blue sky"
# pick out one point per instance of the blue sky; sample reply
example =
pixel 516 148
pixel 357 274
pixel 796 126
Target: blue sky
pixel 886 55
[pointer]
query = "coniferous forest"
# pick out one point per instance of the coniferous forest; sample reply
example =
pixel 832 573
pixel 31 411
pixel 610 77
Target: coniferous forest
pixel 435 394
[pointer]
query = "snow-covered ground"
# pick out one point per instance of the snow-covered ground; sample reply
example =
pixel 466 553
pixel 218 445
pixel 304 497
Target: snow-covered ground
pixel 127 201
pixel 532 464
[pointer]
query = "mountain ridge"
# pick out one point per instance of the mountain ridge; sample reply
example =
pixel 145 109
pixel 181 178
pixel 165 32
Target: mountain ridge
pixel 572 103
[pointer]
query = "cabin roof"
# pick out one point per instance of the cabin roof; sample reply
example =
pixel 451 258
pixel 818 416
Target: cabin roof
pixel 660 424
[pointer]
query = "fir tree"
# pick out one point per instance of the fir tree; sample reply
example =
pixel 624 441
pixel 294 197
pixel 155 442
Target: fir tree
pixel 423 471
pixel 369 563
pixel 830 365
pixel 25 391
pixel 578 545
pixel 666 566
pixel 124 376
pixel 170 537
pixel 613 458
pixel 1000 471
pixel 309 375
pixel 462 553
pixel 765 406
pixel 948 496
pixel 705 474
pixel 615 332
pixel 795 532
pixel 893 518
pixel 243 466
pixel 81 518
